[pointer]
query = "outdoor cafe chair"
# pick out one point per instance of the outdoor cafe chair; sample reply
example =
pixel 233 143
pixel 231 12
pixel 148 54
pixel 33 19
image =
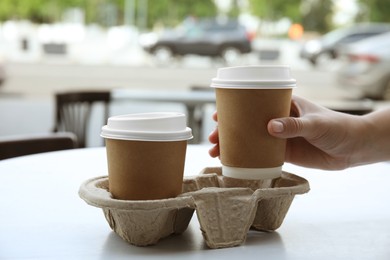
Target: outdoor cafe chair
pixel 73 111
pixel 20 145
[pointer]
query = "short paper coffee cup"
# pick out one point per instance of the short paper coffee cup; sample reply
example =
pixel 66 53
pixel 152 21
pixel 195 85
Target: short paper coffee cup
pixel 146 155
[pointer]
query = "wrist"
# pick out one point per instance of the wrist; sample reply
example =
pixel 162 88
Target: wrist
pixel 373 139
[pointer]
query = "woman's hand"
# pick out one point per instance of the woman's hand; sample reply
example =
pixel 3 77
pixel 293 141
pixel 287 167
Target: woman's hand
pixel 316 136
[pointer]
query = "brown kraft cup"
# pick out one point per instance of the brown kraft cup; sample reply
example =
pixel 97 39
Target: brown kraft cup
pixel 149 168
pixel 246 102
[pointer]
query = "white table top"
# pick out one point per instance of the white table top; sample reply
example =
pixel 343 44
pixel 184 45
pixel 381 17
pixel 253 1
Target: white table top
pixel 346 215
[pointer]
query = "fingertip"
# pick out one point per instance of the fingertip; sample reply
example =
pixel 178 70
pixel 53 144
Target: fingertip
pixel 215 116
pixel 289 127
pixel 213 137
pixel 275 127
pixel 214 151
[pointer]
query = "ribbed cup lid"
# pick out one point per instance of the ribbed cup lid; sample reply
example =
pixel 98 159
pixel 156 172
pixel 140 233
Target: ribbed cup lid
pixel 159 126
pixel 254 77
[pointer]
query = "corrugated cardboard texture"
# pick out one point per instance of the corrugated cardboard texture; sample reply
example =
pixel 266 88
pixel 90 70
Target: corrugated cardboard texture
pixel 225 214
pixel 243 115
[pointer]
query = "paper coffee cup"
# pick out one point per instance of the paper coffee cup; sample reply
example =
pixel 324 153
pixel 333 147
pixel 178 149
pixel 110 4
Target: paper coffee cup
pixel 146 155
pixel 247 98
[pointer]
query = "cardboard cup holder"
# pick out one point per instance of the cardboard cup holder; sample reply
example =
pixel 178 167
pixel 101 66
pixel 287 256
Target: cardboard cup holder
pixel 226 208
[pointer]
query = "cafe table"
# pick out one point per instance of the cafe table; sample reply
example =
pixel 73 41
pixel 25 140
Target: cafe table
pixel 345 215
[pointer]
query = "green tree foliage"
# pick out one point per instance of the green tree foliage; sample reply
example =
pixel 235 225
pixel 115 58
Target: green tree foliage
pixel 374 11
pixel 39 11
pixel 317 15
pixel 22 9
pixel 312 14
pixel 276 9
pixel 235 9
pixel 171 12
pixel 47 11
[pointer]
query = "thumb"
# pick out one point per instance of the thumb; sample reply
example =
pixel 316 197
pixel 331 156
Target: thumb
pixel 288 127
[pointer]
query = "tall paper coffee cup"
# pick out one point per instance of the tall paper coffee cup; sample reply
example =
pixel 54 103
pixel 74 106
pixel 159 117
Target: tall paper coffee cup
pixel 248 97
pixel 146 155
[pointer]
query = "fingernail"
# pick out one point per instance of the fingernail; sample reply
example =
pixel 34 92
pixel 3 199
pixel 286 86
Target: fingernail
pixel 277 126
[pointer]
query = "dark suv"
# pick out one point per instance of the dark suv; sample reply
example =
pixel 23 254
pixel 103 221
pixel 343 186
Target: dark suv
pixel 207 37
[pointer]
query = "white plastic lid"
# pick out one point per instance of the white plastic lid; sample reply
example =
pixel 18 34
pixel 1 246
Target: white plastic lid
pixel 254 77
pixel 160 126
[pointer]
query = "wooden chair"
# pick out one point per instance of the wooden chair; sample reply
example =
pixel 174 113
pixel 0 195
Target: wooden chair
pixel 73 111
pixel 14 146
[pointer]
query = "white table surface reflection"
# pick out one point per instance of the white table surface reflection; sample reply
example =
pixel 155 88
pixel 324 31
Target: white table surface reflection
pixel 346 215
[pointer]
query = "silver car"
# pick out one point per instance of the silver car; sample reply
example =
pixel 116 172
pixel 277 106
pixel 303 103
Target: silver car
pixel 325 48
pixel 366 68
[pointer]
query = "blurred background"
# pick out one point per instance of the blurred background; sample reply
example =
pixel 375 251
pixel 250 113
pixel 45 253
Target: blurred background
pixel 338 51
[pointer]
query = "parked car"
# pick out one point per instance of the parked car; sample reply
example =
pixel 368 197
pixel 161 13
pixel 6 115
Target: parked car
pixel 366 68
pixel 207 37
pixel 326 47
